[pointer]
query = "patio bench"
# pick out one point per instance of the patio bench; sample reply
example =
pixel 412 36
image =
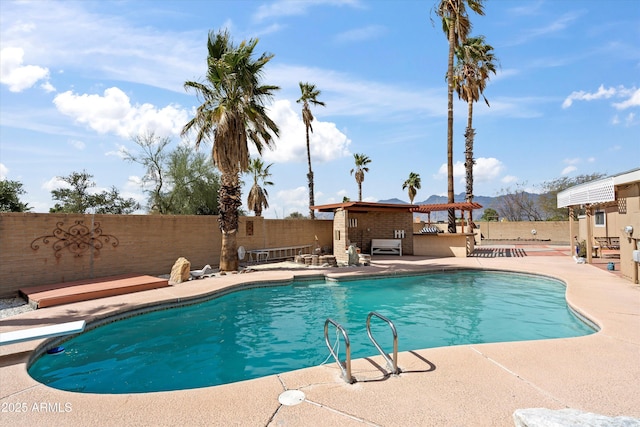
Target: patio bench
pixel 386 246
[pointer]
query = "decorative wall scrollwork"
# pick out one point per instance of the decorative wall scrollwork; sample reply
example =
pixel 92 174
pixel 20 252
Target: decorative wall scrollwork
pixel 77 239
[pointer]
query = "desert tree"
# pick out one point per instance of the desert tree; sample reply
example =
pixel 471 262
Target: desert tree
pixel 309 95
pixel 475 63
pixel 258 198
pixel 412 185
pixel 361 161
pixel 456 26
pixel 231 116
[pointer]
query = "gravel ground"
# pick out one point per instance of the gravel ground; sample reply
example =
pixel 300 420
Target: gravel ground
pixel 12 306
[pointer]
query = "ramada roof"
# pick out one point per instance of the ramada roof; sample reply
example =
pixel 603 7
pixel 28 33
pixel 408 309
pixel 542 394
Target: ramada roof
pixel 461 206
pixel 378 207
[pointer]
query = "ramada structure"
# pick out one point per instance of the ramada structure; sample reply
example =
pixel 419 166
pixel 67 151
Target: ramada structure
pixel 360 223
pixel 611 218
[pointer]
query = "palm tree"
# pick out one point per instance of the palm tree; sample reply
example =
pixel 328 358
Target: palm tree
pixel 258 195
pixel 232 113
pixel 412 184
pixel 309 95
pixel 362 161
pixel 456 26
pixel 475 61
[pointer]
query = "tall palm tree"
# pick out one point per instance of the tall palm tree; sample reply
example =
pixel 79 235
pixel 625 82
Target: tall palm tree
pixel 362 160
pixel 309 95
pixel 232 114
pixel 456 26
pixel 475 62
pixel 258 195
pixel 412 184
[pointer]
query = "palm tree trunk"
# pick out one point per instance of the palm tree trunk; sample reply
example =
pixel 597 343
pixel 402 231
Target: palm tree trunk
pixel 229 203
pixel 359 191
pixel 451 213
pixel 468 163
pixel 312 202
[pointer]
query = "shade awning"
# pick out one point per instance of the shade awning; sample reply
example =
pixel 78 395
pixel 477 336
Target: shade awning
pixel 364 207
pixel 460 206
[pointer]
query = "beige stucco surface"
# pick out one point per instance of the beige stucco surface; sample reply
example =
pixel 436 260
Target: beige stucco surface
pixel 469 385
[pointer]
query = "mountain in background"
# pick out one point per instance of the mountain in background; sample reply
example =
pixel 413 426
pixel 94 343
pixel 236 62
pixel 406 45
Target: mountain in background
pixel 485 202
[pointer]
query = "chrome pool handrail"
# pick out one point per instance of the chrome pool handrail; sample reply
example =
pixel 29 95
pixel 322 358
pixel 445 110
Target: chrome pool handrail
pixel 392 364
pixel 346 367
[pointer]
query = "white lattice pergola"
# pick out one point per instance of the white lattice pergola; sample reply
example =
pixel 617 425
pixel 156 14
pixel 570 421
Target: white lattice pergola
pixel 594 192
pixel 600 191
pixel 590 195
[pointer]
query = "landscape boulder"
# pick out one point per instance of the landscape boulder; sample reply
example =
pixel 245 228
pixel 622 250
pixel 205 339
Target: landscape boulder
pixel 180 272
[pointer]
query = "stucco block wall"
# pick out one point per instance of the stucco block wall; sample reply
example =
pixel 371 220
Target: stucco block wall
pixel 38 249
pixel 555 231
pixel 443 245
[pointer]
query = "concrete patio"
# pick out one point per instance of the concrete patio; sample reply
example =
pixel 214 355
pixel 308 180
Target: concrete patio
pixel 469 385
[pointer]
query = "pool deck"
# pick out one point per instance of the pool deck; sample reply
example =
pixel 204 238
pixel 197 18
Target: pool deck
pixel 468 385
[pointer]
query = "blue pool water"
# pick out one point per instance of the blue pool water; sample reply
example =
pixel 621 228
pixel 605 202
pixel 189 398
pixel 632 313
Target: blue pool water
pixel 268 330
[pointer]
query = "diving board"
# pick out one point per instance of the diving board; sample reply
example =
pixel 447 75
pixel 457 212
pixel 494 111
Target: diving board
pixel 58 330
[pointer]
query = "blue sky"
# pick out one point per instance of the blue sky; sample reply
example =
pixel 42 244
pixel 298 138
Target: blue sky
pixel 80 78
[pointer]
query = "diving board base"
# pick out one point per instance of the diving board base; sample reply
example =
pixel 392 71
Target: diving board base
pixel 89 289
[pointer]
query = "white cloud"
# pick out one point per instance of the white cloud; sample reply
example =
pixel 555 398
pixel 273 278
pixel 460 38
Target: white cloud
pixel 558 25
pixel 54 183
pixel 630 119
pixel 360 34
pixel 326 142
pixel 293 8
pixel 348 95
pixel 633 101
pixel 78 145
pixel 568 170
pixel 18 76
pixel 632 96
pixel 287 201
pixel 296 197
pixel 113 113
pixel 508 179
pixel 586 96
pixel 4 171
pixel 121 152
pixel 486 169
pixel 69 35
pixel 48 87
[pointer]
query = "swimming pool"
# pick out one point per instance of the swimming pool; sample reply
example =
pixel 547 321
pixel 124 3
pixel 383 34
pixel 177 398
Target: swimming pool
pixel 272 329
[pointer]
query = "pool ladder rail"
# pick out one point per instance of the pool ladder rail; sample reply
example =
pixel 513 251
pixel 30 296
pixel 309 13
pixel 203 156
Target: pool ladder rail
pixel 345 367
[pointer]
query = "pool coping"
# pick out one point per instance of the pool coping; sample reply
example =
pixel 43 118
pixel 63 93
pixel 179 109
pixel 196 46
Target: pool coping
pixel 462 385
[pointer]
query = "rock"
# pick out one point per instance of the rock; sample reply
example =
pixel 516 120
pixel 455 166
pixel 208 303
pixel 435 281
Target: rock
pixel 354 257
pixel 542 417
pixel 180 272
